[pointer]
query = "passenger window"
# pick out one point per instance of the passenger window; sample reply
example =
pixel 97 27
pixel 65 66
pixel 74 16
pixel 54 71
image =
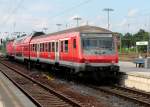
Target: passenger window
pixel 66 45
pixel 49 48
pixel 31 47
pixel 53 47
pixel 46 46
pixel 74 43
pixel 43 47
pixel 40 47
pixel 56 46
pixel 35 47
pixel 62 46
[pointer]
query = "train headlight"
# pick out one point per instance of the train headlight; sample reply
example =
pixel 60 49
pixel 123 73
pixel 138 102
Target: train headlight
pixel 87 62
pixel 113 62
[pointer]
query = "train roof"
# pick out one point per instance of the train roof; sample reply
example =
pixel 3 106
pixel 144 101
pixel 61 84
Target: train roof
pixel 81 29
pixel 84 29
pixel 26 38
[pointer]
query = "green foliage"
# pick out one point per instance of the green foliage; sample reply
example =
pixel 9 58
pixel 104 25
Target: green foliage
pixel 129 40
pixel 3 46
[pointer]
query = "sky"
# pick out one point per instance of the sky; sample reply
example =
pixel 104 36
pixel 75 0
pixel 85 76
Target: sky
pixel 35 15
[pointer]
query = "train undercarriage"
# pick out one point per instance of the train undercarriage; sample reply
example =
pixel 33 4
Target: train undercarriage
pixel 98 74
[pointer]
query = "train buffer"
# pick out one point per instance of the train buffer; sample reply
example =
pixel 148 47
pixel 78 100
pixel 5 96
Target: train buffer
pixel 139 62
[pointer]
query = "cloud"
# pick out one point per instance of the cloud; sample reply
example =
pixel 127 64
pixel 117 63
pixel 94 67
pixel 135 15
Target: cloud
pixel 100 17
pixel 40 7
pixel 75 16
pixel 123 22
pixel 132 12
pixel 40 24
pixel 128 24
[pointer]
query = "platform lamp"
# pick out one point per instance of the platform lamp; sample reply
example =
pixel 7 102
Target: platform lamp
pixel 108 10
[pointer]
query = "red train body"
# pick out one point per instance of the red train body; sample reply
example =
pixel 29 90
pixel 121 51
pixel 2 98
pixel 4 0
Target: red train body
pixel 82 49
pixel 10 49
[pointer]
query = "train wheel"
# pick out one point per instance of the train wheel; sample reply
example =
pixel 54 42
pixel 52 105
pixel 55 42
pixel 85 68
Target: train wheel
pixel 96 77
pixel 28 65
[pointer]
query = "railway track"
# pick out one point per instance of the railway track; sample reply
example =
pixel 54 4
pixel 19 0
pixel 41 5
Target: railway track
pixel 39 94
pixel 139 97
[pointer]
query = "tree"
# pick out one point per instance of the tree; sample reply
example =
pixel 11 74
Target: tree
pixel 127 40
pixel 141 35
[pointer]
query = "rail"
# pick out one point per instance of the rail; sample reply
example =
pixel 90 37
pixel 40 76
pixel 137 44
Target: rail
pixel 142 98
pixel 39 94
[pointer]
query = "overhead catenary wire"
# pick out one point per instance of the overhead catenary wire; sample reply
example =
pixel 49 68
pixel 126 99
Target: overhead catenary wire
pixel 70 9
pixel 65 11
pixel 11 14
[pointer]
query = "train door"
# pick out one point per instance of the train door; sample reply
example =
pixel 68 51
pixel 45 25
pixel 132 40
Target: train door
pixel 74 49
pixel 57 51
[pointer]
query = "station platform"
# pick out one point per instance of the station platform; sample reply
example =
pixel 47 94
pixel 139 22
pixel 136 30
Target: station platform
pixel 138 78
pixel 131 69
pixel 11 96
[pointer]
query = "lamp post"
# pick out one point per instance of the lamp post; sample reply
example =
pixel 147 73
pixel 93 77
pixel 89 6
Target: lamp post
pixel 108 10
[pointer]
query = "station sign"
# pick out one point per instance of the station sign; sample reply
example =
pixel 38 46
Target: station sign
pixel 142 43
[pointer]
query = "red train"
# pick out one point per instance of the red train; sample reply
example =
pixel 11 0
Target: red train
pixel 84 50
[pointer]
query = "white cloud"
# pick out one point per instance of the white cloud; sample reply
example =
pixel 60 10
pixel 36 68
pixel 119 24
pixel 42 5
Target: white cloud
pixel 75 16
pixel 129 23
pixel 100 17
pixel 132 12
pixel 40 24
pixel 123 22
pixel 40 7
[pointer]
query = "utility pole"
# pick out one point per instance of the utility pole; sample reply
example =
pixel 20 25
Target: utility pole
pixel 66 26
pixel 45 29
pixel 148 43
pixel 149 38
pixel 87 22
pixel 58 26
pixel 14 28
pixel 120 43
pixel 77 19
pixel 108 10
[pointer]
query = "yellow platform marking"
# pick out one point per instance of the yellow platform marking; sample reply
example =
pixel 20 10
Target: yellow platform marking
pixel 49 77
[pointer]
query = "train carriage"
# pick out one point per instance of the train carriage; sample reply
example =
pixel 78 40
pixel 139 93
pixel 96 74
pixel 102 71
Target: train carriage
pixel 85 49
pixel 10 49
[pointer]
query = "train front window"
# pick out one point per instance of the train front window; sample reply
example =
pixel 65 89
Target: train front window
pixel 97 44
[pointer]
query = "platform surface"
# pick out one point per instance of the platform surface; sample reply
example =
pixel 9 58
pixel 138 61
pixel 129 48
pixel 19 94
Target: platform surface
pixel 130 68
pixel 11 96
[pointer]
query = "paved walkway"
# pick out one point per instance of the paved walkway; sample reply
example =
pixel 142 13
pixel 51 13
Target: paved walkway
pixel 11 96
pixel 130 68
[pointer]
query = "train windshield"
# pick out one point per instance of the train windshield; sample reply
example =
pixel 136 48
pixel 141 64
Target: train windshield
pixel 97 44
